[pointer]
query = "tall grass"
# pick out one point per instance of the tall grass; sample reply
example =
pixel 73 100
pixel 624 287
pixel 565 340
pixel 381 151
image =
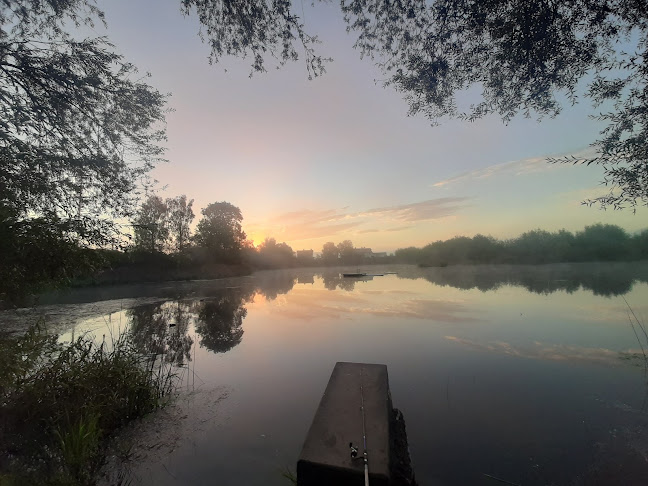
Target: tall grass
pixel 60 401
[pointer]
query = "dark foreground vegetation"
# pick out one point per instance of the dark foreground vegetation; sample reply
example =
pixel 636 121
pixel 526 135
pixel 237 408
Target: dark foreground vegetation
pixel 599 242
pixel 61 402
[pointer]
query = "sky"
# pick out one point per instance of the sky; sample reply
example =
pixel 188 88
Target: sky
pixel 338 157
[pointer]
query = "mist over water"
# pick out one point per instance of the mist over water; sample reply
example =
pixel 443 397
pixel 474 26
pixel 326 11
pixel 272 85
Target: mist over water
pixel 528 374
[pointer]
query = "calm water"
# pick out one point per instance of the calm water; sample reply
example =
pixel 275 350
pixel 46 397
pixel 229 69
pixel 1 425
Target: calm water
pixel 522 373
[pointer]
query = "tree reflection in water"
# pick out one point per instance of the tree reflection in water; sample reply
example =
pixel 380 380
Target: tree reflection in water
pixel 606 279
pixel 335 280
pixel 160 329
pixel 220 321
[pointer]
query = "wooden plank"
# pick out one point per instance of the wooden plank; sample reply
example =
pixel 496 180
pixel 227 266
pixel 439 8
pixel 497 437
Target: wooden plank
pixel 325 458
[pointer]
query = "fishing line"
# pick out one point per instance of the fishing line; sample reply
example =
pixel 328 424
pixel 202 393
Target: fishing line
pixel 364 433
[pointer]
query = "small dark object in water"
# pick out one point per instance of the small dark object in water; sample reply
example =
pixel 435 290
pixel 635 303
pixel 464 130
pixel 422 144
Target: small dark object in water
pixel 354 275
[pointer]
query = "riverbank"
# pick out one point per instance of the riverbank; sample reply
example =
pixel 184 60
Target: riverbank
pixel 62 402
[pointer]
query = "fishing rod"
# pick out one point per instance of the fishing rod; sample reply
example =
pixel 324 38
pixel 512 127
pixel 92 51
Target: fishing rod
pixel 354 450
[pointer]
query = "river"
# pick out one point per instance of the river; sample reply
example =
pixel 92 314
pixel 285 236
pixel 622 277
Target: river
pixel 532 375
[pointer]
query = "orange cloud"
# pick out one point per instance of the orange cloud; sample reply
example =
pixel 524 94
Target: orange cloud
pixel 330 223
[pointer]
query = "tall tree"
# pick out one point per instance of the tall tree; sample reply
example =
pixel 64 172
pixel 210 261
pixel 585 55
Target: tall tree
pixel 220 230
pixel 78 132
pixel 346 251
pixel 180 216
pixel 151 226
pixel 330 252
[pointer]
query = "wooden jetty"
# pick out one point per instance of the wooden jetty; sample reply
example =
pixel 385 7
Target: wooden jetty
pixel 326 457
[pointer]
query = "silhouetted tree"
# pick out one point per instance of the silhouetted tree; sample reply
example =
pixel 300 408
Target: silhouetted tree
pixel 330 253
pixel 79 132
pixel 220 230
pixel 151 225
pixel 180 217
pixel 275 255
pixel 34 251
pixel 640 244
pixel 346 252
pixel 595 243
pixel 603 242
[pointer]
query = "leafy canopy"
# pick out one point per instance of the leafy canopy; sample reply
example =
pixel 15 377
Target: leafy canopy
pixel 220 229
pixel 512 57
pixel 79 131
pixel 523 57
pixel 79 128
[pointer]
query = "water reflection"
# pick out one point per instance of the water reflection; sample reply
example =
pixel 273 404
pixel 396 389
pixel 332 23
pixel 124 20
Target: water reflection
pixel 220 321
pixel 519 384
pixel 334 281
pixel 271 284
pixel 556 352
pixel 601 278
pixel 161 329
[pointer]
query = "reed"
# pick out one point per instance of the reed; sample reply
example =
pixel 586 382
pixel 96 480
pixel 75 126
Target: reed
pixel 61 402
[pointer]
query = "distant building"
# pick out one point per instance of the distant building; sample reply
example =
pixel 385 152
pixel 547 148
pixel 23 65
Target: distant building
pixel 379 254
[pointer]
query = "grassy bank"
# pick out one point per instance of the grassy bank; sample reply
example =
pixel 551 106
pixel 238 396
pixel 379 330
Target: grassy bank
pixel 61 402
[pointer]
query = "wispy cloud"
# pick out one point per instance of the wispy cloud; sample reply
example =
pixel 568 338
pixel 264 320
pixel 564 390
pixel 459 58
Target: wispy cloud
pixel 312 224
pixel 552 352
pixel 421 211
pixel 514 168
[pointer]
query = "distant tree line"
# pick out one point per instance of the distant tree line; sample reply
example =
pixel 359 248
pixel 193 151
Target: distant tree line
pixel 163 227
pixel 599 242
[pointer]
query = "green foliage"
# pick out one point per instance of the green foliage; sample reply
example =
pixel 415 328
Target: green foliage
pixel 257 29
pixel 79 445
pixel 150 226
pixel 179 220
pixel 163 225
pixel 220 231
pixel 37 253
pixel 79 132
pixel 523 56
pixel 598 242
pixel 58 400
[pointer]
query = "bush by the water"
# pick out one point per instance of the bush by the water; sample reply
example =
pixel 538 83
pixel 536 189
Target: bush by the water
pixel 599 242
pixel 60 402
